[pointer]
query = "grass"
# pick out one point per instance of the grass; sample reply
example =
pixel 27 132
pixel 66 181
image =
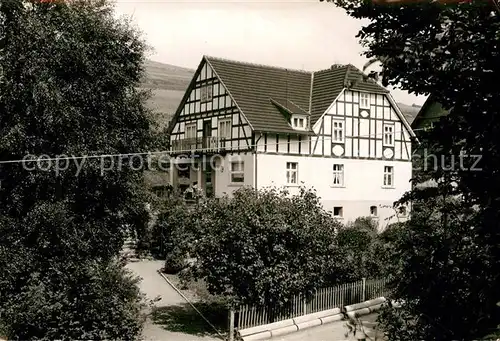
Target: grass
pixel 194 289
pixel 183 318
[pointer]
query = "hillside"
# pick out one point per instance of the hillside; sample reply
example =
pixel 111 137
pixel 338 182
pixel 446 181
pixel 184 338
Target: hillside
pixel 166 76
pixel 410 111
pixel 169 82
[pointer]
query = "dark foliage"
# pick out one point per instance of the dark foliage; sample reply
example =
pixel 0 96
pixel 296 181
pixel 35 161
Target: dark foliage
pixel 262 247
pixel 68 87
pixel 170 228
pixel 360 253
pixel 449 254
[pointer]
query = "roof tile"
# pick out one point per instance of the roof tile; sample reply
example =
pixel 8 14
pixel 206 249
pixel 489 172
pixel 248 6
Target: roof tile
pixel 254 87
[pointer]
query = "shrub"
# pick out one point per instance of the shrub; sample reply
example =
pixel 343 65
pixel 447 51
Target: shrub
pixel 263 246
pixel 169 233
pixel 174 263
pixel 85 301
pixel 359 247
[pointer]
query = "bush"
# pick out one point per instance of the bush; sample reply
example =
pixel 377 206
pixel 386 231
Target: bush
pixel 88 301
pixel 443 274
pixel 263 246
pixel 360 249
pixel 174 264
pixel 169 234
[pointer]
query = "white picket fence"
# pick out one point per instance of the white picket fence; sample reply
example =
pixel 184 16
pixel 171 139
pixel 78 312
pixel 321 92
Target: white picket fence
pixel 324 299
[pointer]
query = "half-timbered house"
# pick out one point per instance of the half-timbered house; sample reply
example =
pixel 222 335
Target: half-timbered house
pixel 334 130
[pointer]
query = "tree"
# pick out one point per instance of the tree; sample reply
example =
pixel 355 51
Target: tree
pixel 361 250
pixel 263 246
pixel 450 253
pixel 442 265
pixel 69 84
pixel 104 303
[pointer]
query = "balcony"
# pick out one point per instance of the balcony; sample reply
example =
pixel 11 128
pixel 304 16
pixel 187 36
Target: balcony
pixel 210 144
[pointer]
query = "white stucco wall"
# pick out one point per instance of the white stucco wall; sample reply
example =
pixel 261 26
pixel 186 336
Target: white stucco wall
pixel 223 184
pixel 363 182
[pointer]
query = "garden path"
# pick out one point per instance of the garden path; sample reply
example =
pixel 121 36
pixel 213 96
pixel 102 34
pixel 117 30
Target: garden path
pixel 177 322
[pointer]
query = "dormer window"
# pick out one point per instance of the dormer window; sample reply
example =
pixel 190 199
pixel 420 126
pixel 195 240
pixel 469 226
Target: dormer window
pixel 299 122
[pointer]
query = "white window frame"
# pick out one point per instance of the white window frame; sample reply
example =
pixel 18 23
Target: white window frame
pixel 225 132
pixel 191 129
pixel 238 172
pixel 364 100
pixel 339 216
pixel 338 132
pixel 299 122
pixel 206 93
pixel 338 175
pixel 388 134
pixel 291 169
pixel 388 176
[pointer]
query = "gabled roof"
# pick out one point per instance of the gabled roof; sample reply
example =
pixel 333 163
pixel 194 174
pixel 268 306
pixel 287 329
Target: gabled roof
pixel 328 84
pixel 268 95
pixel 420 113
pixel 422 117
pixel 253 86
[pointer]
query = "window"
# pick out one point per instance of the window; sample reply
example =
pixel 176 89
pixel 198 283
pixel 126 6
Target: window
pixel 388 176
pixel 225 128
pixel 388 135
pixel 338 175
pixel 292 169
pixel 338 131
pixel 299 122
pixel 402 211
pixel 183 171
pixel 364 100
pixel 338 212
pixel 237 172
pixel 206 93
pixel 190 131
pixel 373 211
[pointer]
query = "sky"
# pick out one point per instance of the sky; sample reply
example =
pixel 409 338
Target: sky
pixel 300 34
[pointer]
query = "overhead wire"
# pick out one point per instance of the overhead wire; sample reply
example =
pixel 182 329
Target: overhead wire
pixel 43 158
